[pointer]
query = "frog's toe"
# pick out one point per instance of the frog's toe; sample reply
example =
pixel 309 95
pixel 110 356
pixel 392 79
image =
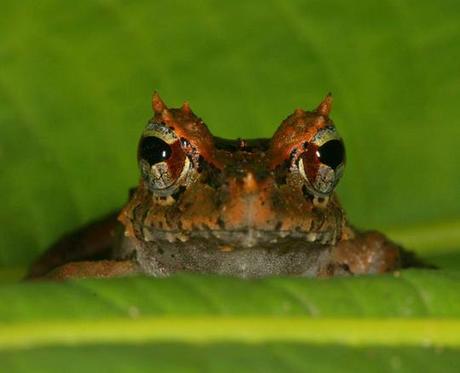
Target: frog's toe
pixel 367 253
pixel 92 269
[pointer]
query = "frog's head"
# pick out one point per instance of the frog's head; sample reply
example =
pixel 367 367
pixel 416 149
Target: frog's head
pixel 237 193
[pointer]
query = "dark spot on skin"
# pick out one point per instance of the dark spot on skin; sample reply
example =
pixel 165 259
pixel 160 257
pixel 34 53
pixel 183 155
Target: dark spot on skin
pixel 131 192
pixel 211 175
pixel 145 214
pixel 281 173
pixel 329 271
pixel 306 193
pixel 320 199
pixel 281 179
pixel 278 226
pixel 318 220
pixel 176 195
pixel 173 256
pixel 278 202
pixel 261 173
pixel 200 164
pixel 221 196
pixel 137 211
pixel 220 222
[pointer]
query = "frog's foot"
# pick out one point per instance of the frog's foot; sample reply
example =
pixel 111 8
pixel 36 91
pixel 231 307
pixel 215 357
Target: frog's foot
pixel 367 253
pixel 92 269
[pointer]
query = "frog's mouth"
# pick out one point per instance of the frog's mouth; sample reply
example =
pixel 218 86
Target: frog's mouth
pixel 242 253
pixel 226 240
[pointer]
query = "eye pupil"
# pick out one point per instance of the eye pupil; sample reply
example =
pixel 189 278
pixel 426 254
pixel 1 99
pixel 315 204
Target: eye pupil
pixel 332 153
pixel 154 150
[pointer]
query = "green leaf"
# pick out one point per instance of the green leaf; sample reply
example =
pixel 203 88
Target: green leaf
pixel 75 87
pixel 405 317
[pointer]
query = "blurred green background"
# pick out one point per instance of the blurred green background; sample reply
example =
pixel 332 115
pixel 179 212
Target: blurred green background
pixel 76 81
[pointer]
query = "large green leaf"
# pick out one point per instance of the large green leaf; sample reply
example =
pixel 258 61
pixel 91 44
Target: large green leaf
pixel 406 317
pixel 75 85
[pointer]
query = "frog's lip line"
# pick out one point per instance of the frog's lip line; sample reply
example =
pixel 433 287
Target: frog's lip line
pixel 324 237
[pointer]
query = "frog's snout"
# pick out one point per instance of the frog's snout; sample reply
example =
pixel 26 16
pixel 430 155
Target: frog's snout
pixel 249 207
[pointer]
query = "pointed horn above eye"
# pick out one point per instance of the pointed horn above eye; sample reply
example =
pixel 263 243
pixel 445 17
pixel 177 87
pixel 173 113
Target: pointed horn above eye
pixel 325 106
pixel 186 107
pixel 167 117
pixel 157 103
pixel 299 112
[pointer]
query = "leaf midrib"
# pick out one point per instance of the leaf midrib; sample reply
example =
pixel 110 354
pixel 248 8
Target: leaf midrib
pixel 212 329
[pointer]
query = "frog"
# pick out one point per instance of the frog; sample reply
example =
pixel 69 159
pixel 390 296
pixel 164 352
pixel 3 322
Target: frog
pixel 248 208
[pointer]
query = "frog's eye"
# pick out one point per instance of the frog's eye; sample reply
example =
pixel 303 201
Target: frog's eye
pixel 322 162
pixel 154 150
pixel 163 162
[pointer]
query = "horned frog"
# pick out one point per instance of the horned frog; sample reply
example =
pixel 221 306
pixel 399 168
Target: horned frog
pixel 245 208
